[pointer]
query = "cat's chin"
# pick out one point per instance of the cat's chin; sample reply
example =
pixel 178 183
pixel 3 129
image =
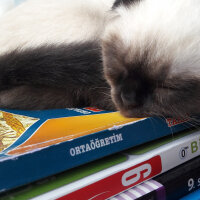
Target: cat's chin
pixel 139 113
pixel 143 112
pixel 132 112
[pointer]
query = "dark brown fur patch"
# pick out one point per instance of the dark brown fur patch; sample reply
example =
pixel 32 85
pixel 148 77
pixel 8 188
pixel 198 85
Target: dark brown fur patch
pixel 54 76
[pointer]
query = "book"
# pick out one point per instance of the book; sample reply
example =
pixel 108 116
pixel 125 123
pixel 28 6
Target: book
pixel 171 185
pixel 104 178
pixel 181 180
pixel 193 196
pixel 37 144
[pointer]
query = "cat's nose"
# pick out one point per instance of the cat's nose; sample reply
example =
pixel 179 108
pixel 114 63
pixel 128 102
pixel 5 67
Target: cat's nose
pixel 129 98
pixel 135 93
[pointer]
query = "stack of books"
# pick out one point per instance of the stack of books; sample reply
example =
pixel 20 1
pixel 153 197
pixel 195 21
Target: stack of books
pixel 82 154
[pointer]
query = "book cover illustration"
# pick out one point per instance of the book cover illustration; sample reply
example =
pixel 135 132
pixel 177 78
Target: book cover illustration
pixel 12 127
pixel 51 128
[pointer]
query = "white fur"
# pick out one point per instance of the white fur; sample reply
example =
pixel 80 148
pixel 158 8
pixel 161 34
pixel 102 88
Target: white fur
pixel 173 24
pixel 5 5
pixel 38 22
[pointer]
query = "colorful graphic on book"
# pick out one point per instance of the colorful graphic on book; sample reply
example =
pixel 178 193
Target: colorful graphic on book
pixel 12 127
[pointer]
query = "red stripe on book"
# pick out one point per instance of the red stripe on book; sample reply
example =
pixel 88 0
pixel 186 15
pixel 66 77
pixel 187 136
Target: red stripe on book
pixel 118 182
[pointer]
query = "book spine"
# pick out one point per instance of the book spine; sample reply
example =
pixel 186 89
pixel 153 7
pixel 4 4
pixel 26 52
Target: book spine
pixel 154 163
pixel 182 180
pixel 193 196
pixel 171 185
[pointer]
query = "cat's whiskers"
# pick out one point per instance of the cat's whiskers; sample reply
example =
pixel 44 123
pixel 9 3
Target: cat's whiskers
pixel 94 88
pixel 183 116
pixel 169 126
pixel 194 122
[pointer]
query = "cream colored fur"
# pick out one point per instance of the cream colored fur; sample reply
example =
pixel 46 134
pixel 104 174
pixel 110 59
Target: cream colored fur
pixel 38 22
pixel 171 28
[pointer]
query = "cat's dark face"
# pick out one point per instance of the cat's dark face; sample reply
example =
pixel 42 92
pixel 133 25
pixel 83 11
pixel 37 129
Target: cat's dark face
pixel 146 82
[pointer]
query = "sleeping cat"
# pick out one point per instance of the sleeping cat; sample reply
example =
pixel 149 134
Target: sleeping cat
pixel 51 56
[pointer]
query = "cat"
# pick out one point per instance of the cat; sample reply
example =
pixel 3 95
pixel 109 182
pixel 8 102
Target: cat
pixel 141 57
pixel 50 55
pixel 151 57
